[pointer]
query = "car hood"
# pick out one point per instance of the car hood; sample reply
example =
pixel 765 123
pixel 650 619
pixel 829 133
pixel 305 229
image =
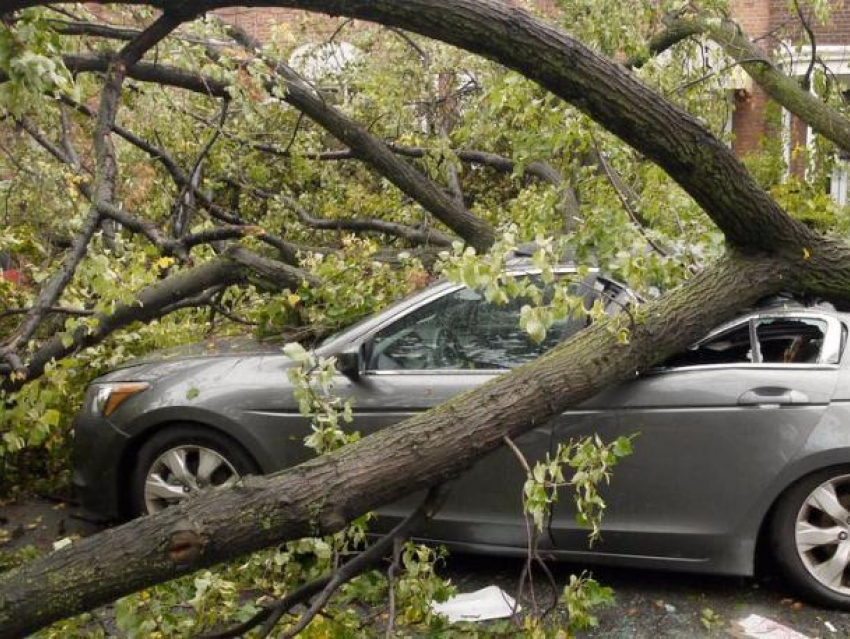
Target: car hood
pixel 208 348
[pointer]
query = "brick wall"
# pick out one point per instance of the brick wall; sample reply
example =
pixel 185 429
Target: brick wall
pixel 748 123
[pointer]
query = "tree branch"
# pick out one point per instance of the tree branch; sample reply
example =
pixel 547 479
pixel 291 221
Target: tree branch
pixel 236 266
pixel 417 236
pixel 103 189
pixel 326 586
pixel 674 33
pixel 806 80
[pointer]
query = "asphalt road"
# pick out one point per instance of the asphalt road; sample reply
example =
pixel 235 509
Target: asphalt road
pixel 647 603
pixel 661 604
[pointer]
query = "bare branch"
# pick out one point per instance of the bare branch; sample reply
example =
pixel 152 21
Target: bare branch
pixel 806 80
pixel 418 236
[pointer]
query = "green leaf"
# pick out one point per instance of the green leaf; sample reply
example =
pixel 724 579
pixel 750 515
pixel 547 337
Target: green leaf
pixel 51 417
pixel 296 352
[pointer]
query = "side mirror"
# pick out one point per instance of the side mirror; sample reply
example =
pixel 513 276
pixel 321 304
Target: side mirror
pixel 352 362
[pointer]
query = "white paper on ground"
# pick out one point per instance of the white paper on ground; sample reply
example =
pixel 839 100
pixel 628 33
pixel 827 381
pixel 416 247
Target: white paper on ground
pixel 488 603
pixel 764 628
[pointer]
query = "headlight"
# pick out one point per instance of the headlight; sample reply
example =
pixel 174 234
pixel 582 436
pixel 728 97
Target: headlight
pixel 106 398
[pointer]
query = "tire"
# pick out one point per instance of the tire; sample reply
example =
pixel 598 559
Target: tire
pixel 194 449
pixel 810 546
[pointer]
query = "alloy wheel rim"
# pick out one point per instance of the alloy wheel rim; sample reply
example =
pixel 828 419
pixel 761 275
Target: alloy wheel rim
pixel 822 534
pixel 183 471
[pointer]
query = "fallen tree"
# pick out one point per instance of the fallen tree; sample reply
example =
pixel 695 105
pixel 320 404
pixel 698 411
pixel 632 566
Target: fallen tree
pixel 769 251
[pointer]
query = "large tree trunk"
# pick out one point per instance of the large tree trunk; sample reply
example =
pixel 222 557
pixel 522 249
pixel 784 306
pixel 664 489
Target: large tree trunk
pixel 320 496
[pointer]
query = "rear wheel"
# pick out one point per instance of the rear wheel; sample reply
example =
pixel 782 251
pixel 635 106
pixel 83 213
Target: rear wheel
pixel 811 536
pixel 184 460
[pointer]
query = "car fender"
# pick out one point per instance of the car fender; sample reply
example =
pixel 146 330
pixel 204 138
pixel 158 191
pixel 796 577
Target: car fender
pixel 827 445
pixel 152 421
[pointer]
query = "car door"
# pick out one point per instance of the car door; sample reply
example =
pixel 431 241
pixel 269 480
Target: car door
pixel 448 346
pixel 713 427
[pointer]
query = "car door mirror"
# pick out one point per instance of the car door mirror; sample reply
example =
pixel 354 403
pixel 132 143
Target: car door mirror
pixel 352 362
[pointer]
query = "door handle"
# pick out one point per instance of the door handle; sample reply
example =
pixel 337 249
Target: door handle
pixel 774 395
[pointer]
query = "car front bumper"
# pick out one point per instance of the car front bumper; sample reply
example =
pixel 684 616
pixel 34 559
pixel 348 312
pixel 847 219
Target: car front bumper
pixel 97 475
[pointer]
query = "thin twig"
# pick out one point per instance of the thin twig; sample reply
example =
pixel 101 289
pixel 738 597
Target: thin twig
pixel 806 80
pixel 392 572
pixel 635 217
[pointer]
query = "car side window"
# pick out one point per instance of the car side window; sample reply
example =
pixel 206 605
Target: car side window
pixel 791 340
pixel 763 340
pixel 462 331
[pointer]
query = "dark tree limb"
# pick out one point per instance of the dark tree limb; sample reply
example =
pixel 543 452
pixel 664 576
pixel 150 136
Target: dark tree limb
pixel 147 72
pixel 395 229
pixel 806 80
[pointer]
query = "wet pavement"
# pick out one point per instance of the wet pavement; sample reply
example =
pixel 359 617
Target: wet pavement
pixel 662 604
pixel 647 603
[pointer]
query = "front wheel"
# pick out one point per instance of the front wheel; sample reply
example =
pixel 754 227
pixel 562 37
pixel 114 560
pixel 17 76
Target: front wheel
pixel 811 536
pixel 184 460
